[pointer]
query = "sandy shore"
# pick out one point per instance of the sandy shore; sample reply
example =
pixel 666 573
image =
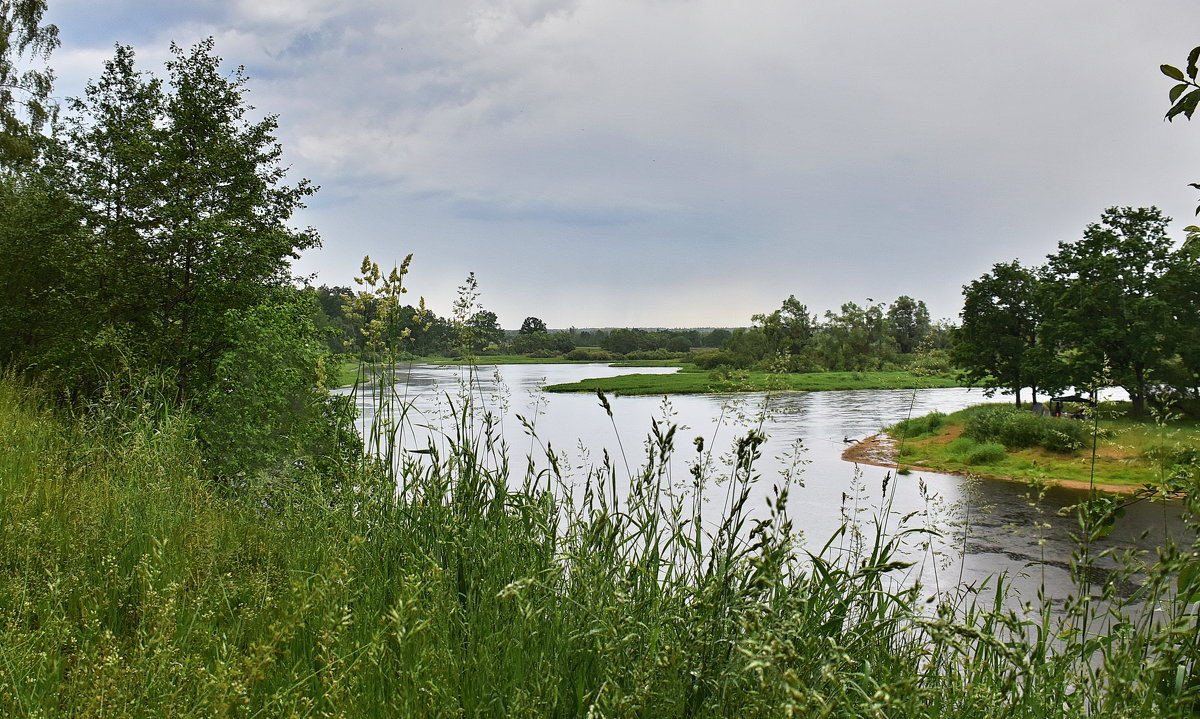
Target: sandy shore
pixel 880 450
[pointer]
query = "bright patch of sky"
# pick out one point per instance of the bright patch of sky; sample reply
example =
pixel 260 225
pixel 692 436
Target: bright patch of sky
pixel 692 162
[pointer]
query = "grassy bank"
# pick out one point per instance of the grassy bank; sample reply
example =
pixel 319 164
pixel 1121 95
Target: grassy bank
pixel 1018 445
pixel 133 585
pixel 694 381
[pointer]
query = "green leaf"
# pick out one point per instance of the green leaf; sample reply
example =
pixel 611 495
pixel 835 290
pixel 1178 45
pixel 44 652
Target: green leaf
pixel 1172 72
pixel 1193 58
pixel 1178 90
pixel 1185 106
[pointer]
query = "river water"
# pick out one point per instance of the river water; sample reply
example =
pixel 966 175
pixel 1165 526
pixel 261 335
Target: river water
pixel 987 526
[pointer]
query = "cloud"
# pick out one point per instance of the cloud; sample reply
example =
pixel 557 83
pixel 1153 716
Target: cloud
pixel 821 149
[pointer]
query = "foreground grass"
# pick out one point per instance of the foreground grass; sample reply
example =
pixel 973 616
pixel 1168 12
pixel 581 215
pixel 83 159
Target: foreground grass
pixel 693 381
pixel 1128 453
pixel 132 585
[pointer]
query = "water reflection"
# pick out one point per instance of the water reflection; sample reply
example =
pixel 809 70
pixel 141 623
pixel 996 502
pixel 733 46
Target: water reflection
pixel 988 526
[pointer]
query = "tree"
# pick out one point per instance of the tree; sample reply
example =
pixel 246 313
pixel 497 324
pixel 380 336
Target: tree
pixel 485 330
pixel 997 344
pixel 531 325
pixel 855 339
pixel 25 103
pixel 908 323
pixel 1109 302
pixel 788 330
pixel 184 203
pixel 1181 291
pixel 41 261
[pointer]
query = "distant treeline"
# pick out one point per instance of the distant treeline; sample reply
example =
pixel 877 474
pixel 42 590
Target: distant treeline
pixel 855 338
pixel 874 337
pixel 345 315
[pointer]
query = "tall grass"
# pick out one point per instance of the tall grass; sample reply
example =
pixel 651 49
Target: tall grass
pixel 449 584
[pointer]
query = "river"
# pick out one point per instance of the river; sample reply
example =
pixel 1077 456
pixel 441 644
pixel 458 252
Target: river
pixel 987 526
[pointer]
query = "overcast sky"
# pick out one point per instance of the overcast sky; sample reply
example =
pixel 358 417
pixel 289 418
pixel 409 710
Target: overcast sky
pixel 692 162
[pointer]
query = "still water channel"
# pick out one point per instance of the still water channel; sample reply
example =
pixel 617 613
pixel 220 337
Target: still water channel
pixel 990 526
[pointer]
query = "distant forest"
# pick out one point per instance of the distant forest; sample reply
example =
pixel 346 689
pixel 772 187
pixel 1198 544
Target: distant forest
pixel 856 338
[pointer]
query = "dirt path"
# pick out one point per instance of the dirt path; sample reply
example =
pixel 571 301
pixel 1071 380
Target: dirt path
pixel 880 450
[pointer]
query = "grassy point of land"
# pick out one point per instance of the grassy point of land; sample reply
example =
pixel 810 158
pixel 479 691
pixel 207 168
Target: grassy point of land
pixel 1129 454
pixel 694 381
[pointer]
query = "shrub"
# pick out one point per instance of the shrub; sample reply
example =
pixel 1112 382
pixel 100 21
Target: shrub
pixel 986 453
pixel 984 424
pixel 1064 435
pixel 1017 429
pixel 1021 430
pixel 961 446
pixel 1173 455
pixel 589 355
pixel 919 426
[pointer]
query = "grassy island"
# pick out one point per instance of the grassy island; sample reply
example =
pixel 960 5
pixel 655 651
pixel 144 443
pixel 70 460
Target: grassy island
pixel 1111 450
pixel 691 380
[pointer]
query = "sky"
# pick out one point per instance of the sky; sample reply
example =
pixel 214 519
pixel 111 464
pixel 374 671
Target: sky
pixel 690 163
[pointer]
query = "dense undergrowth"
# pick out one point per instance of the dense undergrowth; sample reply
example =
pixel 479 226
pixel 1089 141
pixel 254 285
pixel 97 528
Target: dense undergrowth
pixel 454 585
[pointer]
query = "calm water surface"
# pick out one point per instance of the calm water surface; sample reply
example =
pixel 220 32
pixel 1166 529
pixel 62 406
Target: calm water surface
pixel 989 526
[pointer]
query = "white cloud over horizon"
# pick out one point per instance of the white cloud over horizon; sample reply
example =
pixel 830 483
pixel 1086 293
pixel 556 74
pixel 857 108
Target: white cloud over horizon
pixel 692 162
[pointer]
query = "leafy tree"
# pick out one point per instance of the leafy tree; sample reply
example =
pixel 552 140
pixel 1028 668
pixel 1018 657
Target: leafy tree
pixel 1109 300
pixel 42 263
pixel 25 103
pixel 185 206
pixel 715 338
pixel 788 331
pixel 485 329
pixel 998 343
pixel 908 323
pixel 1181 291
pixel 531 325
pixel 855 339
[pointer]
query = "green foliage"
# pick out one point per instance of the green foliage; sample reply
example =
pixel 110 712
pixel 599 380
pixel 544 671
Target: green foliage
pixel 1110 301
pixel 473 591
pixel 1018 429
pixel 184 206
pixel 589 354
pixel 1000 344
pixel 532 325
pixel 1185 95
pixel 908 323
pixel 25 102
pixel 268 414
pixel 916 427
pixel 989 453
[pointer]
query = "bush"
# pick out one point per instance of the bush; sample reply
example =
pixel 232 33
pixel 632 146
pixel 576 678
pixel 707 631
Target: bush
pixel 961 446
pixel 589 355
pixel 986 453
pixel 1021 430
pixel 1064 435
pixel 1018 429
pixel 1173 455
pixel 919 426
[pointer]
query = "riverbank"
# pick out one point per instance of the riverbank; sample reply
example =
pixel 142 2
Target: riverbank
pixel 1114 454
pixel 880 450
